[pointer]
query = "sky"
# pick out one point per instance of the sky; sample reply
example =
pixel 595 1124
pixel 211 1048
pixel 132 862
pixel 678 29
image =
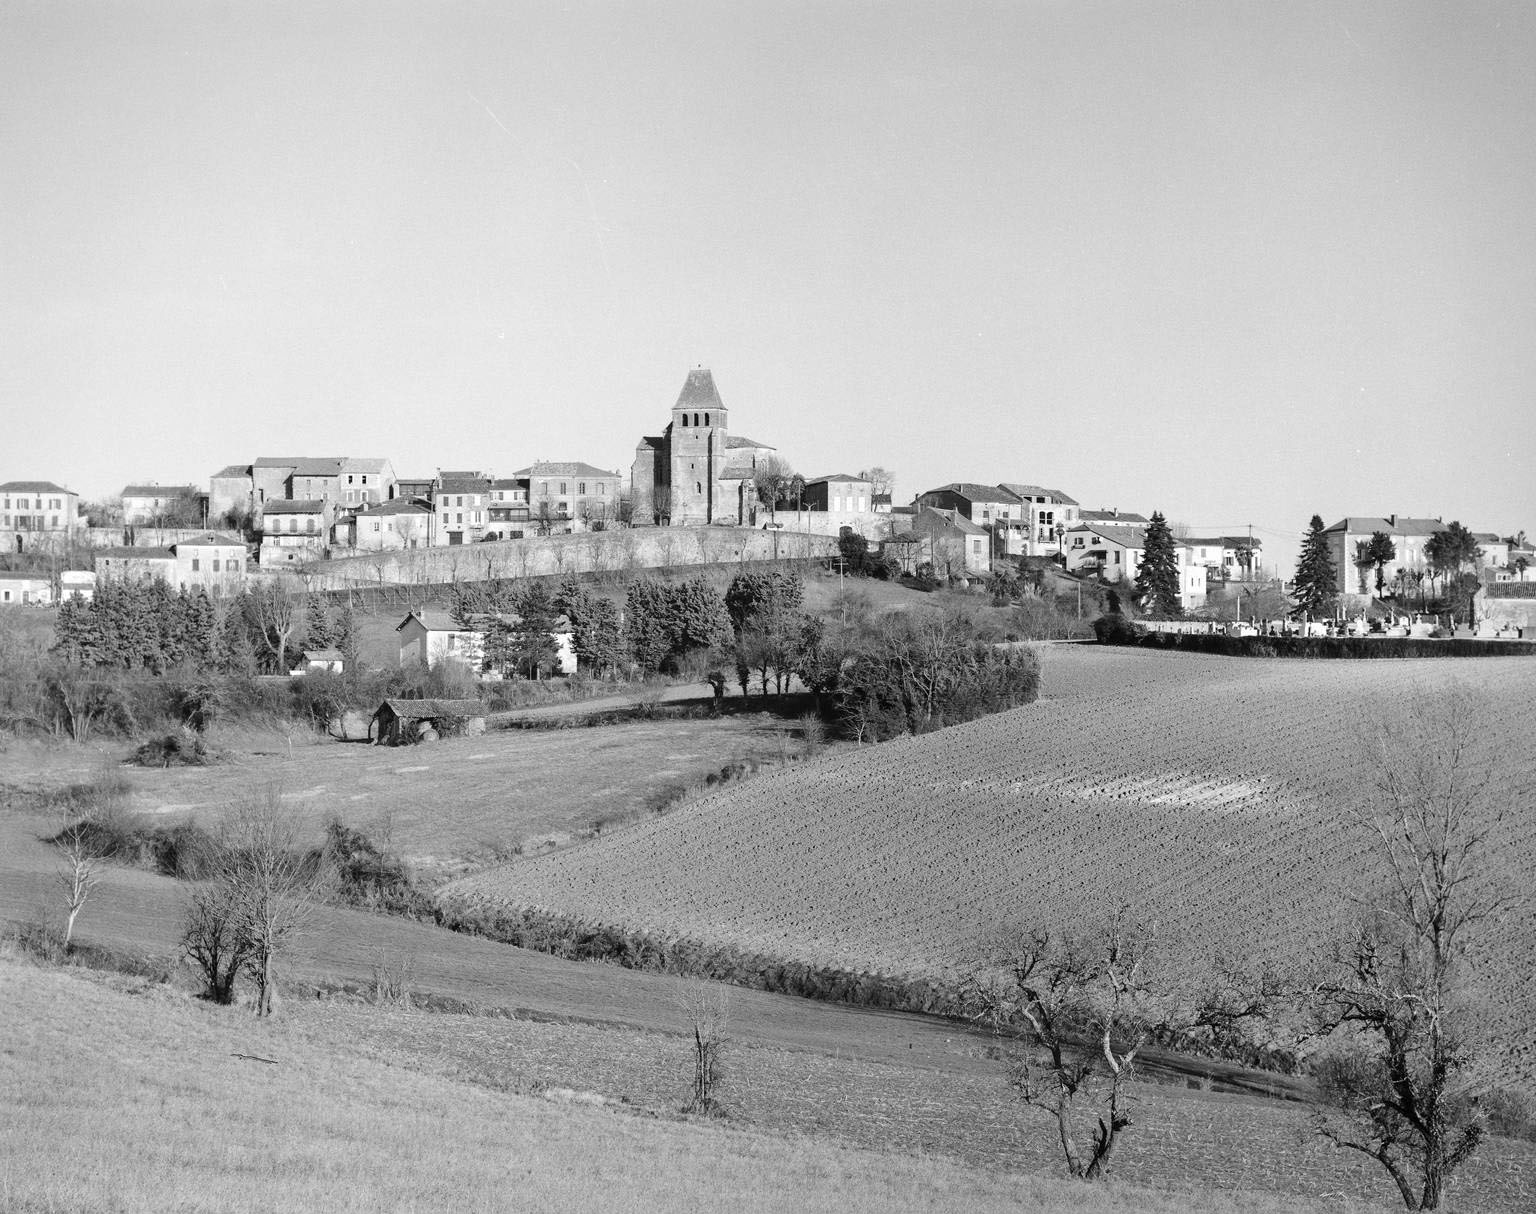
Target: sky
pixel 1237 262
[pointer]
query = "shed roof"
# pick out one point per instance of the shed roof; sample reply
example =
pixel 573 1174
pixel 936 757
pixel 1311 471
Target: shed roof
pixel 136 554
pixel 232 471
pixel 1055 495
pixel 416 710
pixel 397 505
pixel 840 477
pixel 1114 518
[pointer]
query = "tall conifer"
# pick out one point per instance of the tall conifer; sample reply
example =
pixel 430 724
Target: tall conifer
pixel 1316 583
pixel 1157 581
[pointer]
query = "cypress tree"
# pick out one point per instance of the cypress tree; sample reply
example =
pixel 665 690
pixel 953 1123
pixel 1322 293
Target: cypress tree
pixel 1157 581
pixel 1316 581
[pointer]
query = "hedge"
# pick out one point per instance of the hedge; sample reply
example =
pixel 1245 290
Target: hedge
pixel 1310 647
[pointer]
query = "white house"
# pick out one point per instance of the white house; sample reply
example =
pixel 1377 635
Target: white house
pixel 1114 554
pixel 1046 516
pixel 429 636
pixel 25 588
pixel 401 523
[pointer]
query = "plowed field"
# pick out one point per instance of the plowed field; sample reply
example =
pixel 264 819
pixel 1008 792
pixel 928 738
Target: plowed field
pixel 1208 795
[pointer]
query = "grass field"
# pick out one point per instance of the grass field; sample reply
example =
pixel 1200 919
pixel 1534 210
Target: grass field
pixel 117 1094
pixel 446 806
pixel 1207 795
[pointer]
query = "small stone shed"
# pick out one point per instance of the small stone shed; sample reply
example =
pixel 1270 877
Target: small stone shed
pixel 401 722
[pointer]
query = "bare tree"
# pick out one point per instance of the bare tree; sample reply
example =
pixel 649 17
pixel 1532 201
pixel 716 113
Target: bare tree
pixel 273 604
pixel 1400 1001
pixel 274 885
pixel 771 476
pixel 706 1009
pixel 77 874
pixel 1085 1007
pixel 213 939
pixel 881 480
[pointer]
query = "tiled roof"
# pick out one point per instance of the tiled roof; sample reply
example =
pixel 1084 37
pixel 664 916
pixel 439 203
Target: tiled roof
pixel 330 654
pixel 569 468
pixel 398 505
pixel 699 391
pixel 1055 495
pixel 232 471
pixel 16 575
pixel 977 493
pixel 1114 518
pixel 159 490
pixel 353 463
pixel 467 484
pixel 434 619
pixel 654 441
pixel 1126 537
pixel 302 465
pixel 738 472
pixel 32 487
pixel 416 710
pixel 954 518
pixel 303 505
pixel 510 482
pixel 736 441
pixel 842 476
pixel 1368 525
pixel 137 554
pixel 211 539
pixel 457 475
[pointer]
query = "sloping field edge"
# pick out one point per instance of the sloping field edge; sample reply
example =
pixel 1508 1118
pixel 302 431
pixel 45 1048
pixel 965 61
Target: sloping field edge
pixel 576 939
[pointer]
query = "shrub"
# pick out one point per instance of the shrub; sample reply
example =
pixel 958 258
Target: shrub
pixel 1110 633
pixel 184 749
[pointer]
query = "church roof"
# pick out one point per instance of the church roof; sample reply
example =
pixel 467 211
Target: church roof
pixel 732 441
pixel 699 391
pixel 738 472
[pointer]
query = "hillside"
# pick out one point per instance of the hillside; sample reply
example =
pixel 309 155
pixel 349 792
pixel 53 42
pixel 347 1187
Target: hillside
pixel 1207 795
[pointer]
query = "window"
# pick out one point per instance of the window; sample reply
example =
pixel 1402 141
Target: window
pixel 581 488
pixel 293 523
pixel 375 525
pixel 459 518
pixel 544 488
pixel 602 488
pixel 706 419
pixel 697 487
pixel 215 564
pixel 196 565
pixel 309 526
pixel 349 478
pixel 564 488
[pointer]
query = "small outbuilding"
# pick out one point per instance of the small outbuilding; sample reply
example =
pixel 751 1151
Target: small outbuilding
pixel 402 722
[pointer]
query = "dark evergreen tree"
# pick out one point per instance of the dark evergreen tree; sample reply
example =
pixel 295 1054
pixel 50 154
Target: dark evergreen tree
pixel 1315 585
pixel 319 633
pixel 646 610
pixel 1157 581
pixel 234 652
pixel 348 641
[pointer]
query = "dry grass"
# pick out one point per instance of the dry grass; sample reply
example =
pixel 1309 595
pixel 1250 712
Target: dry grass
pixel 140 1100
pixel 447 805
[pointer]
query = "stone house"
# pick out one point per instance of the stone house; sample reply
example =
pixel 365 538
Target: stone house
pixel 696 471
pixel 955 545
pixel 1000 511
pixel 1047 515
pixel 429 636
pixel 834 503
pixel 572 496
pixel 295 531
pixel 1409 538
pixel 213 563
pixel 509 508
pixel 1114 554
pixel 163 505
pixel 401 523
pixel 461 507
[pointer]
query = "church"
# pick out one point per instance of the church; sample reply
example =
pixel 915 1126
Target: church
pixel 696 471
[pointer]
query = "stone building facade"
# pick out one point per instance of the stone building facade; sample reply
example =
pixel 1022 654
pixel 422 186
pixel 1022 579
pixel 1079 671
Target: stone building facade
pixel 696 471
